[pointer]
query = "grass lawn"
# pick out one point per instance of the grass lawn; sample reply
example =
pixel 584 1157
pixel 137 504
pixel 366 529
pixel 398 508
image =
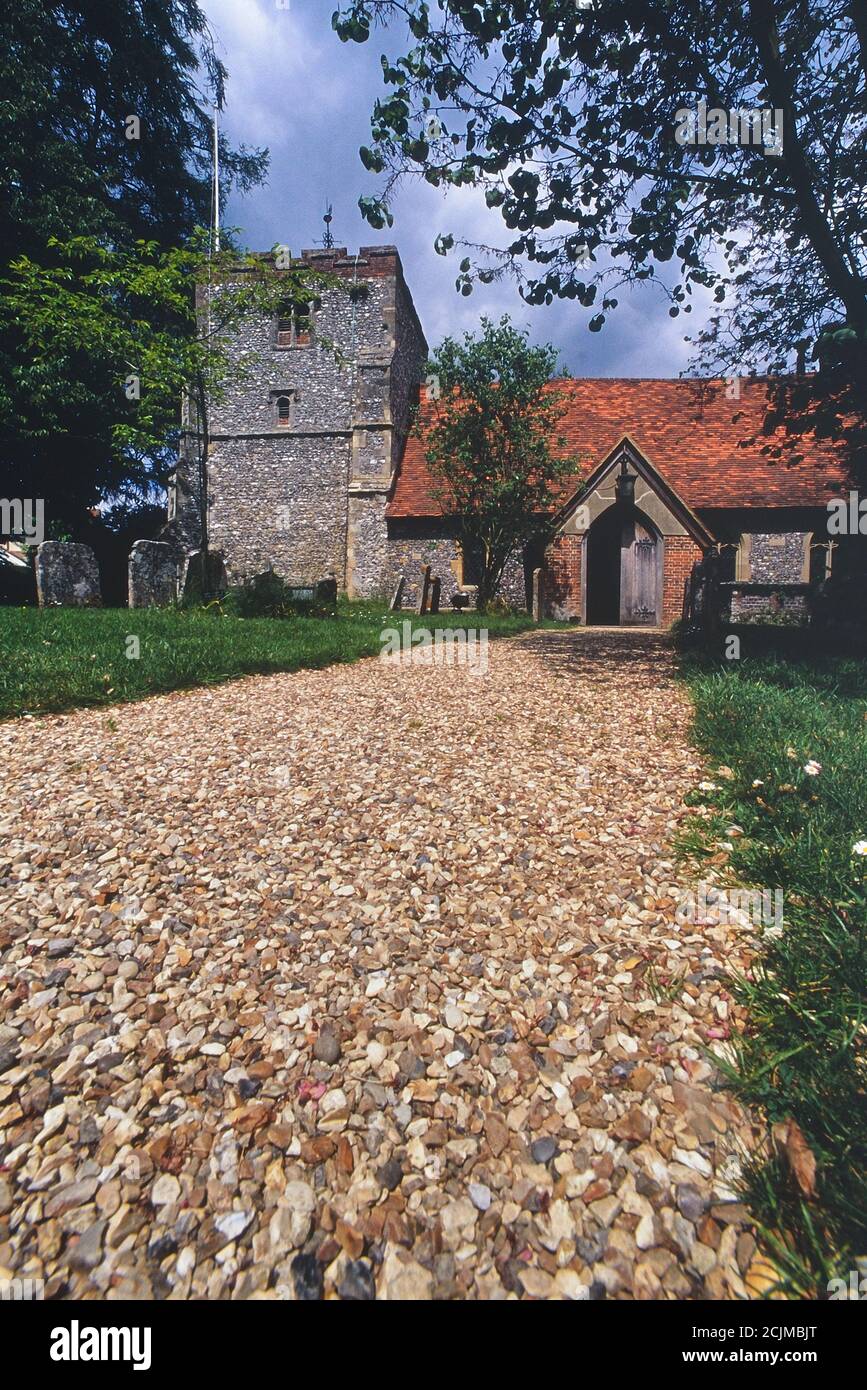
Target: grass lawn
pixel 804 1055
pixel 55 659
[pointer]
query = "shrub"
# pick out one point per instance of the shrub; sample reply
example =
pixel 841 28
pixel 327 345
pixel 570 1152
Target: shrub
pixel 269 596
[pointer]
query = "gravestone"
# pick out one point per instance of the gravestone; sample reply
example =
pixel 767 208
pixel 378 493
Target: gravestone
pixel 326 590
pixel 67 575
pixel 537 596
pixel 397 595
pixel 201 583
pixel 153 575
pixel 435 586
pixel 425 590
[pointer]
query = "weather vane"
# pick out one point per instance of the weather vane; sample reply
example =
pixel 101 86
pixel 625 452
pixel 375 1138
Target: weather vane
pixel 328 239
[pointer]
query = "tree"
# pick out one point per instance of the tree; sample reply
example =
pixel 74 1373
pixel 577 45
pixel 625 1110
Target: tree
pixel 105 136
pixel 72 161
pixel 491 444
pixel 133 325
pixel 573 118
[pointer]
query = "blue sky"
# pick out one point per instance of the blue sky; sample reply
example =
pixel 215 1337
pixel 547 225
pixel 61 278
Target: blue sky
pixel 294 87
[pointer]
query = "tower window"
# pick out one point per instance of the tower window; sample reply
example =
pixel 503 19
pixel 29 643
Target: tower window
pixel 294 325
pixel 284 406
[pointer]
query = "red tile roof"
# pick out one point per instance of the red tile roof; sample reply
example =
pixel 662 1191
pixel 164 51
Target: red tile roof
pixel 712 451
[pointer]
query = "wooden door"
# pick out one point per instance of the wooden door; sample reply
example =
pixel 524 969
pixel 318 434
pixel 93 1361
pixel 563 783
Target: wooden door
pixel 639 576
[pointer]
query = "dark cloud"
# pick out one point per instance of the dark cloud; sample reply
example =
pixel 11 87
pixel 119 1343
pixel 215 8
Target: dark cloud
pixel 294 87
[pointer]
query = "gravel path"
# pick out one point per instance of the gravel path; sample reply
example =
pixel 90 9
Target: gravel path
pixel 359 980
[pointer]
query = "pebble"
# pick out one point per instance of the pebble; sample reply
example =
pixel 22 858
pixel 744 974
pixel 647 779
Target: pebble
pixel 690 1202
pixel 234 1224
pixel 543 1150
pixel 403 1279
pixel 357 1282
pixel 327 1047
pixel 166 1191
pixel 480 1195
pixel 87 1252
pixel 390 1174
pixel 292 1222
pixel 307 1278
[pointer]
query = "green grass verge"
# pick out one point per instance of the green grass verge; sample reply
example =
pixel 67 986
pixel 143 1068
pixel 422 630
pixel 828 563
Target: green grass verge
pixel 804 1054
pixel 56 659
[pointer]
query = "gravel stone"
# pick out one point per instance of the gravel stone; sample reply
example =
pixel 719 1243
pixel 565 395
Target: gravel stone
pixel 357 1283
pixel 327 1047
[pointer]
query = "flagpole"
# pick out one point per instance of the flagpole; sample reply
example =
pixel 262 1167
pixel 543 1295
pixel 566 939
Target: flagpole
pixel 216 183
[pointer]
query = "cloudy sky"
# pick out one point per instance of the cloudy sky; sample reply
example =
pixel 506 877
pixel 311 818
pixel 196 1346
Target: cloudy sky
pixel 295 88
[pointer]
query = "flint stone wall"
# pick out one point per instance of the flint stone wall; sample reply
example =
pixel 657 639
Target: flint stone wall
pixel 67 575
pixel 776 558
pixel 414 543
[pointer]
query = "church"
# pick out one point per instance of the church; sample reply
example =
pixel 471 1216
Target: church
pixel 316 468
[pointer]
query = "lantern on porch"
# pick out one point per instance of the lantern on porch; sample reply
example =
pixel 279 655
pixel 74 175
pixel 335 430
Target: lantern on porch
pixel 625 486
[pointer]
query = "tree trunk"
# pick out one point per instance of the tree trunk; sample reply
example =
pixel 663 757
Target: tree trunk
pixel 845 285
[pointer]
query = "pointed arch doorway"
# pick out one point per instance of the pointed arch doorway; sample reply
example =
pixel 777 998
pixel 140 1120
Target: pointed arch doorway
pixel 623 569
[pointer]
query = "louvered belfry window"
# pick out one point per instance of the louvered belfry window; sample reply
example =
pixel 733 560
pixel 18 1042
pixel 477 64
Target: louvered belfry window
pixel 284 412
pixel 293 325
pixel 301 324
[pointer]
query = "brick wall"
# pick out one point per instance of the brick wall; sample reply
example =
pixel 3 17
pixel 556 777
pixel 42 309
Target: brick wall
pixel 563 577
pixel 681 553
pixel 760 602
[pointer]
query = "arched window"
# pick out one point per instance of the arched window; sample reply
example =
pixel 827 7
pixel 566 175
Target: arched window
pixel 284 408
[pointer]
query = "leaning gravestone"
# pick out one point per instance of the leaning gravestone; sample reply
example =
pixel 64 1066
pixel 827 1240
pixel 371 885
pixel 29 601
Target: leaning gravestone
pixel 200 581
pixel 153 575
pixel 67 575
pixel 397 595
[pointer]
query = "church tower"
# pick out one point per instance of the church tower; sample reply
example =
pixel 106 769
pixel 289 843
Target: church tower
pixel 303 452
